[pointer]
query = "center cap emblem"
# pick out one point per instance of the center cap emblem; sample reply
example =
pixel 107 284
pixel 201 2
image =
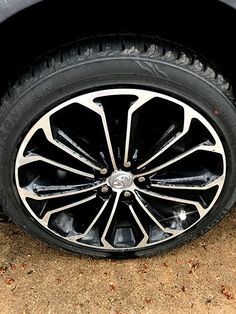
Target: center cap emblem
pixel 121 180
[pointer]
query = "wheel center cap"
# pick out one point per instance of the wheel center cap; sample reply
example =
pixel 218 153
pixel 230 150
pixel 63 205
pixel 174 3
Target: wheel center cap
pixel 121 180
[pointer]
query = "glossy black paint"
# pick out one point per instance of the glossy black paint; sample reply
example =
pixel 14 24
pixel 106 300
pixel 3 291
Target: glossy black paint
pixel 10 7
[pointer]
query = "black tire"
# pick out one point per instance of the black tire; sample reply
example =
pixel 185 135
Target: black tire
pixel 108 63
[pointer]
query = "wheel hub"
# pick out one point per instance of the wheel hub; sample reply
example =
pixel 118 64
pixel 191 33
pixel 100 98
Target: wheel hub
pixel 121 180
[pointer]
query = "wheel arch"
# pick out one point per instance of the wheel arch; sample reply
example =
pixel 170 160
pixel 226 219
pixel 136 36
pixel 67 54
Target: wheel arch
pixel 10 8
pixel 208 25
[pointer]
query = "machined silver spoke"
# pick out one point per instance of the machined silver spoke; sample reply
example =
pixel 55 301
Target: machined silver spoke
pixel 144 241
pixel 47 216
pixel 188 116
pixel 159 225
pixel 216 181
pixel 201 210
pixel 89 101
pixel 206 146
pixel 45 125
pixel 143 98
pixel 105 243
pixel 39 192
pixel 24 160
pixel 93 163
pixel 101 112
pixel 84 234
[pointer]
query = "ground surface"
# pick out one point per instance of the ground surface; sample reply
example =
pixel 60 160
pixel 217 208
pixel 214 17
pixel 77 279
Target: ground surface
pixel 197 278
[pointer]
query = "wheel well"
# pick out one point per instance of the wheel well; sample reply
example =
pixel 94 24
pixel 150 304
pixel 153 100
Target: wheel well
pixel 204 28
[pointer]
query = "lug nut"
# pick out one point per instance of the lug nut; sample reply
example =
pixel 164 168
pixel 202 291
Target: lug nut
pixel 141 179
pixel 127 194
pixel 103 171
pixel 104 189
pixel 127 164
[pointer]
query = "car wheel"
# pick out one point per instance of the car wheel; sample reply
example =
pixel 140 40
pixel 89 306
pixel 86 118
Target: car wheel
pixel 118 147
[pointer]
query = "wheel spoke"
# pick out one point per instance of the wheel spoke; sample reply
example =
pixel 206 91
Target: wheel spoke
pixel 90 161
pixel 186 183
pixel 39 192
pixel 206 146
pixel 145 235
pixel 47 216
pixel 88 102
pixel 101 112
pixel 188 116
pixel 201 210
pixel 105 243
pixel 45 125
pixel 143 98
pixel 81 236
pixel 34 158
pixel 159 225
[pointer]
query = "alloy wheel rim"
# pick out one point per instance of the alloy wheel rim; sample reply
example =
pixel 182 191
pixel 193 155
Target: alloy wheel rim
pixel 120 169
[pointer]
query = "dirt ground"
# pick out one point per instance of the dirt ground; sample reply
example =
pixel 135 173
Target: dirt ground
pixel 197 278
